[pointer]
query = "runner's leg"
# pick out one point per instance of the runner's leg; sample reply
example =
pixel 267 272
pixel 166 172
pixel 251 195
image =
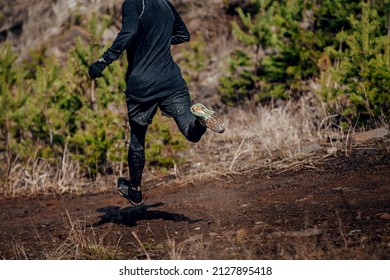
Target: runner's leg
pixel 136 153
pixel 178 106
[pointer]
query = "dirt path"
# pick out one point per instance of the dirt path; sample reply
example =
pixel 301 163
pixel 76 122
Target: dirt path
pixel 336 208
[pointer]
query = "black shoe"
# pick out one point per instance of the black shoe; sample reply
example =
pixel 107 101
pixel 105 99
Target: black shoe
pixel 133 194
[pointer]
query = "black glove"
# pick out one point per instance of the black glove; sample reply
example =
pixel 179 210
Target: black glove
pixel 96 69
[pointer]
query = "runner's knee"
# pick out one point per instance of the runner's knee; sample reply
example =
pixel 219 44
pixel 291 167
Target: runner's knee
pixel 136 147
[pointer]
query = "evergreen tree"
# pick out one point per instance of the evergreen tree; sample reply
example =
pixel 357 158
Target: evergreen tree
pixel 255 34
pixel 360 88
pixel 12 101
pixel 279 55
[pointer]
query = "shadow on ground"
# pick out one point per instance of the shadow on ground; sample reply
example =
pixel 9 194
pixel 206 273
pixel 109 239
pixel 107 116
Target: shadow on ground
pixel 129 216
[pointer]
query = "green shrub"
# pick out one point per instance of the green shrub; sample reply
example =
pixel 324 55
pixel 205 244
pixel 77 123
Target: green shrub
pixel 278 55
pixel 359 89
pixel 285 45
pixel 12 101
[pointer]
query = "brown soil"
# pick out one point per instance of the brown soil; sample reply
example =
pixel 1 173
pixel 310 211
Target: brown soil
pixel 337 208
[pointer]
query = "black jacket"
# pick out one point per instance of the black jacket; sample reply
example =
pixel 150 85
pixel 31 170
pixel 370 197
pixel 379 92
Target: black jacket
pixel 149 27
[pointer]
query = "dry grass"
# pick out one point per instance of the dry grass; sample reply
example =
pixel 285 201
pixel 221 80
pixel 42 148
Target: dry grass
pixel 263 242
pixel 19 250
pixel 40 176
pixel 267 242
pixel 82 242
pixel 251 140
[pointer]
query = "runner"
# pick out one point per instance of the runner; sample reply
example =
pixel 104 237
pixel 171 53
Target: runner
pixel 153 80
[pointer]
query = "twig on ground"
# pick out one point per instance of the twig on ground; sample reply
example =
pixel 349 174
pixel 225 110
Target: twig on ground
pixel 140 243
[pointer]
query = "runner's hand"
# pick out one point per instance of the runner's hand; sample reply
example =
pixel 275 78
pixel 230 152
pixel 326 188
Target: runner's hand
pixel 96 69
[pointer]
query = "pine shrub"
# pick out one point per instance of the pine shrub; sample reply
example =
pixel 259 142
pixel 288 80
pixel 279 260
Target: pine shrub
pixel 358 82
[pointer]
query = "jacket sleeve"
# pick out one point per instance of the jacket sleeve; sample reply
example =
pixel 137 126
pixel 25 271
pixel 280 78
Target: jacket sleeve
pixel 130 21
pixel 180 32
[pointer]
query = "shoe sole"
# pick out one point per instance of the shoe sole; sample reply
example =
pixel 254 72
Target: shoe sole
pixel 211 119
pixel 131 202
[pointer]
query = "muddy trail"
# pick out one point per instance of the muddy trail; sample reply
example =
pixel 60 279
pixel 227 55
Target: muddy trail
pixel 337 207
